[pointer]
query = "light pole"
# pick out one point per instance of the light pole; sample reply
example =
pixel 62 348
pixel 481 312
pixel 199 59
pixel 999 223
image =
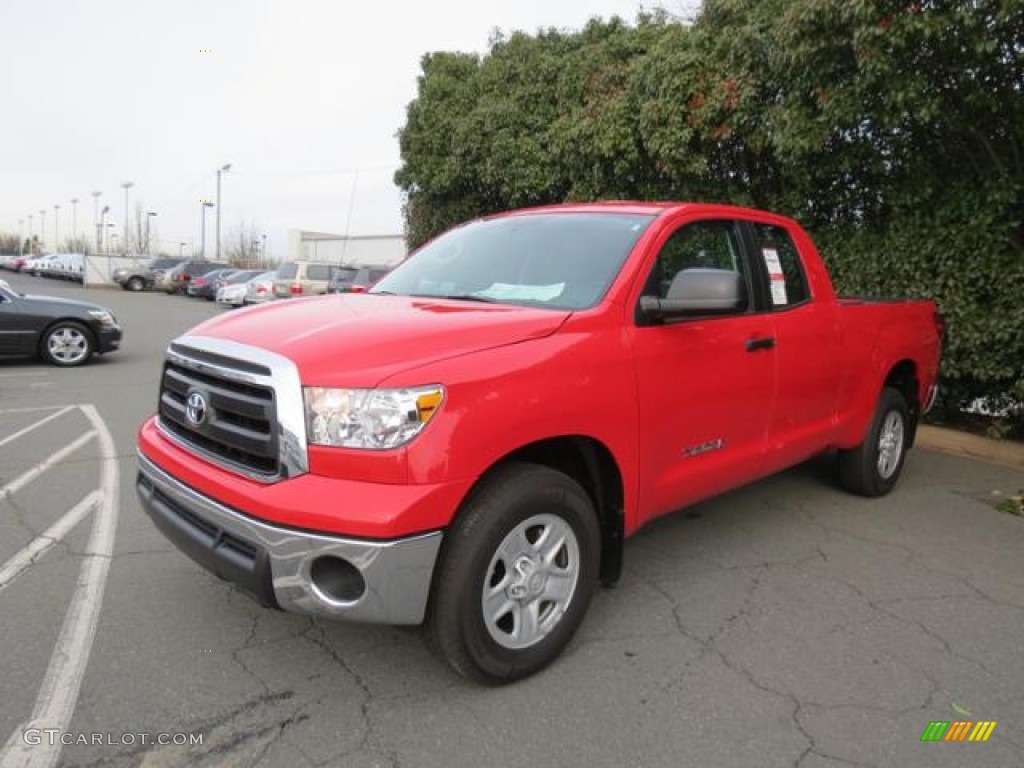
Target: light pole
pixel 56 227
pixel 96 217
pixel 126 186
pixel 31 245
pixel 42 228
pixel 222 170
pixel 264 261
pixel 21 237
pixel 74 219
pixel 100 227
pixel 181 250
pixel 149 214
pixel 203 205
pixel 112 238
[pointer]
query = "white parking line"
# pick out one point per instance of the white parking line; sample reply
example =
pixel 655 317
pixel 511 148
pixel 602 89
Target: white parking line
pixel 26 430
pixel 40 544
pixel 22 480
pixel 58 693
pixel 35 409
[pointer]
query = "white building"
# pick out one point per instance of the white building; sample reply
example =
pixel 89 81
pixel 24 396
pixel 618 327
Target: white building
pixel 360 250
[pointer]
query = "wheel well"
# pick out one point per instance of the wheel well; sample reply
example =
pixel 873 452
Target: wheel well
pixel 903 377
pixel 74 321
pixel 589 463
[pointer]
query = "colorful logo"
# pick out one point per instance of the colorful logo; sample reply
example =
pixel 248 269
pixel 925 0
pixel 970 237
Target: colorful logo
pixel 958 730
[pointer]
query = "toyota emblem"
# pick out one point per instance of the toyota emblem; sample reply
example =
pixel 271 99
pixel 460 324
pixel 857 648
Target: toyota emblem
pixel 195 408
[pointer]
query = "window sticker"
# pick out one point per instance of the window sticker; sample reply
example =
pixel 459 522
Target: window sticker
pixel 779 292
pixel 775 274
pixel 771 260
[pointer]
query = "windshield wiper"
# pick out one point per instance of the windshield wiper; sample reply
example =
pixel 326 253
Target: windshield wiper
pixel 469 297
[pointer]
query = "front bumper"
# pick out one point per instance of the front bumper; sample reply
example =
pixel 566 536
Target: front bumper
pixel 109 339
pixel 385 582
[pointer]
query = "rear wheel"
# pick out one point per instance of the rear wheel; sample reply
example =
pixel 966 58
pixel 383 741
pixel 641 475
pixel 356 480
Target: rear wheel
pixel 516 574
pixel 136 284
pixel 874 466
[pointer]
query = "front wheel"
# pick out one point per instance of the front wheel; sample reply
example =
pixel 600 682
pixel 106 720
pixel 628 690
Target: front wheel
pixel 516 574
pixel 136 284
pixel 67 344
pixel 874 466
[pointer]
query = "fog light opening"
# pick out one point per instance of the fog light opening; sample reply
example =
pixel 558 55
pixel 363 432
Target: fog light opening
pixel 337 580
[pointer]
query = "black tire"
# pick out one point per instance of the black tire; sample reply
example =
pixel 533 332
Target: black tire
pixel 136 284
pixel 864 470
pixel 67 344
pixel 514 503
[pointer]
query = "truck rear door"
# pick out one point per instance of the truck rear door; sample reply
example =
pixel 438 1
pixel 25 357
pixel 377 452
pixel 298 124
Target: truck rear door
pixel 807 353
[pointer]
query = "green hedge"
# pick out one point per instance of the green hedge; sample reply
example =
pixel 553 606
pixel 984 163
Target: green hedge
pixel 894 131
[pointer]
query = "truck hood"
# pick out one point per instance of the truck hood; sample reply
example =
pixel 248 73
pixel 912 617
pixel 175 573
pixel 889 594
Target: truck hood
pixel 358 340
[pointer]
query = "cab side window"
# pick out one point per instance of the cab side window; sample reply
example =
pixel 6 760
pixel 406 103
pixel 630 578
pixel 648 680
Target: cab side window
pixel 701 245
pixel 788 283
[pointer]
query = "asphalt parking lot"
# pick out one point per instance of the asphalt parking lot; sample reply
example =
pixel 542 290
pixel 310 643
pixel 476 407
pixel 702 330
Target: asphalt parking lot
pixel 784 624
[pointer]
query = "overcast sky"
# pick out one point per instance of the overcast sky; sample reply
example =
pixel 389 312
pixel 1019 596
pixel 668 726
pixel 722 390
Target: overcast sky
pixel 296 94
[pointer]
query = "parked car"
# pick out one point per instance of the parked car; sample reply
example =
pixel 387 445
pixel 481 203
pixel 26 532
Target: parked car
pixel 61 331
pixel 35 264
pixel 355 279
pixel 63 266
pixel 260 289
pixel 13 263
pixel 205 286
pixel 469 443
pixel 232 292
pixel 178 278
pixel 302 278
pixel 142 275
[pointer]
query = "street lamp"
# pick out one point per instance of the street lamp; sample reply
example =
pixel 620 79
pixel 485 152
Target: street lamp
pixel 56 227
pixel 100 228
pixel 21 237
pixel 112 237
pixel 42 228
pixel 30 244
pixel 126 186
pixel 149 214
pixel 181 250
pixel 74 219
pixel 223 169
pixel 96 217
pixel 203 205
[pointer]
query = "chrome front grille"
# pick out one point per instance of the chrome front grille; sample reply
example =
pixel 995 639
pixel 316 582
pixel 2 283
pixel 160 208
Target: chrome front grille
pixel 242 425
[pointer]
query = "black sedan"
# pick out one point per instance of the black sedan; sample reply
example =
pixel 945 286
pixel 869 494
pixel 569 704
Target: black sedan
pixel 61 331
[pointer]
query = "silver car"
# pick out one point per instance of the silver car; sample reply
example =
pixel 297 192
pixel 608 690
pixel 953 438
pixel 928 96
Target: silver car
pixel 260 289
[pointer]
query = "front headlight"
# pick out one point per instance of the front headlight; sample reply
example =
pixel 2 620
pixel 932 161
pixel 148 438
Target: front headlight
pixel 106 319
pixel 377 419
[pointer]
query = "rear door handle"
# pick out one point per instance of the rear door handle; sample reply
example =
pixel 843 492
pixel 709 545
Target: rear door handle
pixel 766 342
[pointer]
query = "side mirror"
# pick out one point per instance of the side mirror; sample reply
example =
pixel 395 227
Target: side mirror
pixel 698 292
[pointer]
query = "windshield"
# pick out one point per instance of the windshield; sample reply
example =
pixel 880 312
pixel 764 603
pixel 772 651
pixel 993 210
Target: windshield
pixel 557 260
pixel 344 274
pixel 242 277
pixel 287 271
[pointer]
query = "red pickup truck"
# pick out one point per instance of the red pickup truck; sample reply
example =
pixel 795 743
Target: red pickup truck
pixel 469 444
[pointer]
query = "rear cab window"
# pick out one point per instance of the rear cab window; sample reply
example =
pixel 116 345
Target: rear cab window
pixel 781 260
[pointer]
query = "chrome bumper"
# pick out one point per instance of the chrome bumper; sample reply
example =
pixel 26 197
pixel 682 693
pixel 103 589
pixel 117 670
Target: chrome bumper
pixel 385 582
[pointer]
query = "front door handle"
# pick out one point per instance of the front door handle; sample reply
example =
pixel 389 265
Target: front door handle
pixel 766 342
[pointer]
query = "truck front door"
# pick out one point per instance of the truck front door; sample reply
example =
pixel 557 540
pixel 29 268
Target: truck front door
pixel 705 385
